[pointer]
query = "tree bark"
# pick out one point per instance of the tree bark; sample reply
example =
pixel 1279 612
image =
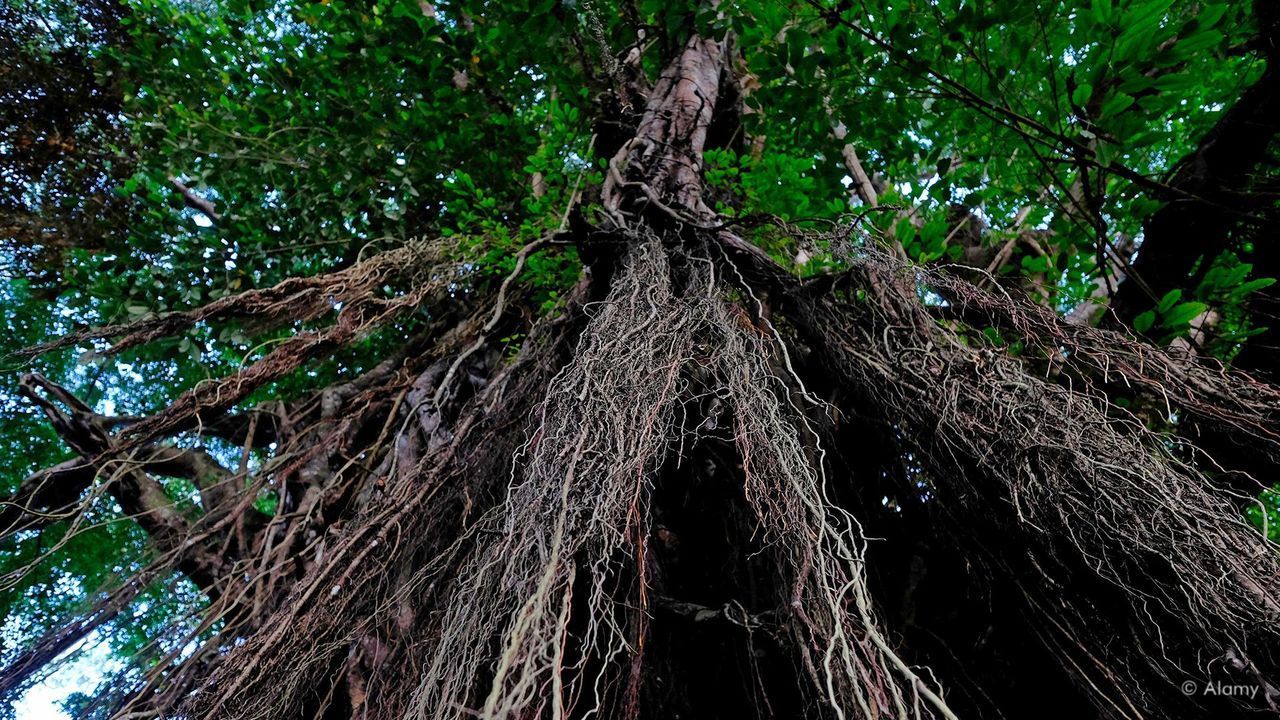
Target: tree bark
pixel 663 162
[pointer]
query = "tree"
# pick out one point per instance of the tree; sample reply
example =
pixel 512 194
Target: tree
pixel 533 359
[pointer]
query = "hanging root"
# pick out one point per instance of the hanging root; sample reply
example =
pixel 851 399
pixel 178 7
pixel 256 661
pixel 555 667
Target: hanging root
pixel 347 631
pixel 819 548
pixel 1055 474
pixel 1234 402
pixel 361 314
pixel 359 294
pixel 298 299
pixel 493 530
pixel 574 521
pixel 550 613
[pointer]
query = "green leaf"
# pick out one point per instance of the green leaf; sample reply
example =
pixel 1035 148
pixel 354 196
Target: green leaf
pixel 1082 94
pixel 1170 299
pixel 1199 42
pixel 905 232
pixel 1148 15
pixel 1183 314
pixel 1036 264
pixel 1144 321
pixel 1177 82
pixel 1102 11
pixel 1116 104
pixel 1140 25
pixel 1211 14
pixel 1253 286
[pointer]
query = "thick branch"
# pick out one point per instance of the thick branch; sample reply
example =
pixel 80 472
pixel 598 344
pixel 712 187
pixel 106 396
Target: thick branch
pixel 1212 186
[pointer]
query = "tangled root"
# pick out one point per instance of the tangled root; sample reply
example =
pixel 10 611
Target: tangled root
pixel 572 521
pixel 1202 387
pixel 553 605
pixel 297 299
pixel 363 311
pixel 545 605
pixel 1080 485
pixel 820 548
pixel 348 627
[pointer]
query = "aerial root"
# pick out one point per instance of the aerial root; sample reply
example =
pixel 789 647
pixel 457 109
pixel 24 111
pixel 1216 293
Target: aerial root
pixel 576 508
pixel 819 547
pixel 553 603
pixel 354 617
pixel 502 555
pixel 1086 485
pixel 296 299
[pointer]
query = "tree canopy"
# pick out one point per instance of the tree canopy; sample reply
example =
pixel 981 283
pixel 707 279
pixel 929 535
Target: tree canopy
pixel 549 357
